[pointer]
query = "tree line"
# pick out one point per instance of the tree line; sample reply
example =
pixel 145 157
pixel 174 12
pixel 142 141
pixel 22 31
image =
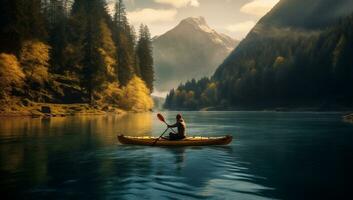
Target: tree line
pixel 295 69
pixel 72 51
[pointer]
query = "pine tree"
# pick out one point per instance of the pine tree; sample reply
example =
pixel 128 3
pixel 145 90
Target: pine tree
pixel 132 51
pixel 124 39
pixel 49 50
pixel 95 47
pixel 57 25
pixel 76 32
pixel 20 21
pixel 144 55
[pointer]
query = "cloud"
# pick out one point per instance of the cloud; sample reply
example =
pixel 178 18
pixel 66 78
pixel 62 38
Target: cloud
pixel 149 15
pixel 179 3
pixel 242 27
pixel 258 7
pixel 159 93
pixel 194 3
pixel 111 7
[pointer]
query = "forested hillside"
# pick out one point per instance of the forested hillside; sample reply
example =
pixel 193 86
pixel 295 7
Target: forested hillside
pixel 61 51
pixel 283 62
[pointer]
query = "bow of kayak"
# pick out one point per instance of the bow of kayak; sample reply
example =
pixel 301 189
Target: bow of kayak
pixel 188 141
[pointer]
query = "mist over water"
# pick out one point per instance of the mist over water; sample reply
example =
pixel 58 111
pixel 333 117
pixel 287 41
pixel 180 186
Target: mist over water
pixel 273 156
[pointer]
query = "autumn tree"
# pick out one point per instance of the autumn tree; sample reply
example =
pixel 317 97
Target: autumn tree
pixel 11 74
pixel 58 50
pixel 34 59
pixel 136 96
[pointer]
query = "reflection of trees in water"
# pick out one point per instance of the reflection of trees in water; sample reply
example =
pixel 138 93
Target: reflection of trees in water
pixel 135 124
pixel 103 127
pixel 64 152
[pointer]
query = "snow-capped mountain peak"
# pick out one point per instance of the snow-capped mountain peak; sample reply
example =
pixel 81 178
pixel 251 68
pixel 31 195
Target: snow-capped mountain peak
pixel 198 22
pixel 190 50
pixel 196 26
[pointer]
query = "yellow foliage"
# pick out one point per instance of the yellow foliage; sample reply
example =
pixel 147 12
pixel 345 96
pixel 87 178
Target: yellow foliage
pixel 11 74
pixel 212 86
pixel 34 59
pixel 136 96
pixel 108 50
pixel 109 63
pixel 209 96
pixel 112 94
pixel 107 41
pixel 279 61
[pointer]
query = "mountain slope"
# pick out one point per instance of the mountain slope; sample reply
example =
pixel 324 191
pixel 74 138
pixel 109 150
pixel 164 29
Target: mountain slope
pixel 289 20
pixel 298 55
pixel 306 14
pixel 190 50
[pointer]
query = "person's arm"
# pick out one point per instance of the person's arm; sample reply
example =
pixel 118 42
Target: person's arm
pixel 173 126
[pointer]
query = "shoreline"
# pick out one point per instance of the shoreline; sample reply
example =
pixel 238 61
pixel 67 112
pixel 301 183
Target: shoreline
pixel 47 110
pixel 348 118
pixel 274 109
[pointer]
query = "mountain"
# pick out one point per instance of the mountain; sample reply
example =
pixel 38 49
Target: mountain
pixel 190 50
pixel 306 14
pixel 283 24
pixel 298 55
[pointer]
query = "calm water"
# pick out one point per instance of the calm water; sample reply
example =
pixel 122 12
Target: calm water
pixel 273 156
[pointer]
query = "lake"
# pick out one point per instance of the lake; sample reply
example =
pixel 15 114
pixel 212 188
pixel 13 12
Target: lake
pixel 274 155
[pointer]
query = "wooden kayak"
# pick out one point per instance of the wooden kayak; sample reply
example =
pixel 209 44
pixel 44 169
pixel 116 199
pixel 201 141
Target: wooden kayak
pixel 188 141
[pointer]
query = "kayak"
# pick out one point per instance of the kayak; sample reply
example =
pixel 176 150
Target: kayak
pixel 188 141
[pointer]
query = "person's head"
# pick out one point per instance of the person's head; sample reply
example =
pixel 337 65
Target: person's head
pixel 178 117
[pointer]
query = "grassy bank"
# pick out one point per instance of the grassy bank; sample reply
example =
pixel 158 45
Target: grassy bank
pixel 21 108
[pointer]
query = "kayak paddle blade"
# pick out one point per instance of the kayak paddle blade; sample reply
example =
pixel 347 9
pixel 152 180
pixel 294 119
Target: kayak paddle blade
pixel 160 117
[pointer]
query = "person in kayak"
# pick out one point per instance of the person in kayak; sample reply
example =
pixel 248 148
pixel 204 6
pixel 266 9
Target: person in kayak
pixel 180 124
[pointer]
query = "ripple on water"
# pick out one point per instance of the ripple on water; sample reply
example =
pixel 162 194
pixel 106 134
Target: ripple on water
pixel 220 175
pixel 80 157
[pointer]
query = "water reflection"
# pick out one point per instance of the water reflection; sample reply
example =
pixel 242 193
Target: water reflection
pixel 179 155
pixel 38 151
pixel 80 158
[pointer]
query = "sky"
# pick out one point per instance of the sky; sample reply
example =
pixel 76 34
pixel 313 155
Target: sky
pixel 232 17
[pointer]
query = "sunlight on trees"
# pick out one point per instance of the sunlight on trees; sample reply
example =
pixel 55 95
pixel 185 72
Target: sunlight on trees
pixel 108 51
pixel 112 94
pixel 278 62
pixel 11 74
pixel 136 96
pixel 34 57
pixel 76 52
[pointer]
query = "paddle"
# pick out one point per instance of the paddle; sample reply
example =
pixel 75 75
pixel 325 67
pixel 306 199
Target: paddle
pixel 161 118
pixel 159 137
